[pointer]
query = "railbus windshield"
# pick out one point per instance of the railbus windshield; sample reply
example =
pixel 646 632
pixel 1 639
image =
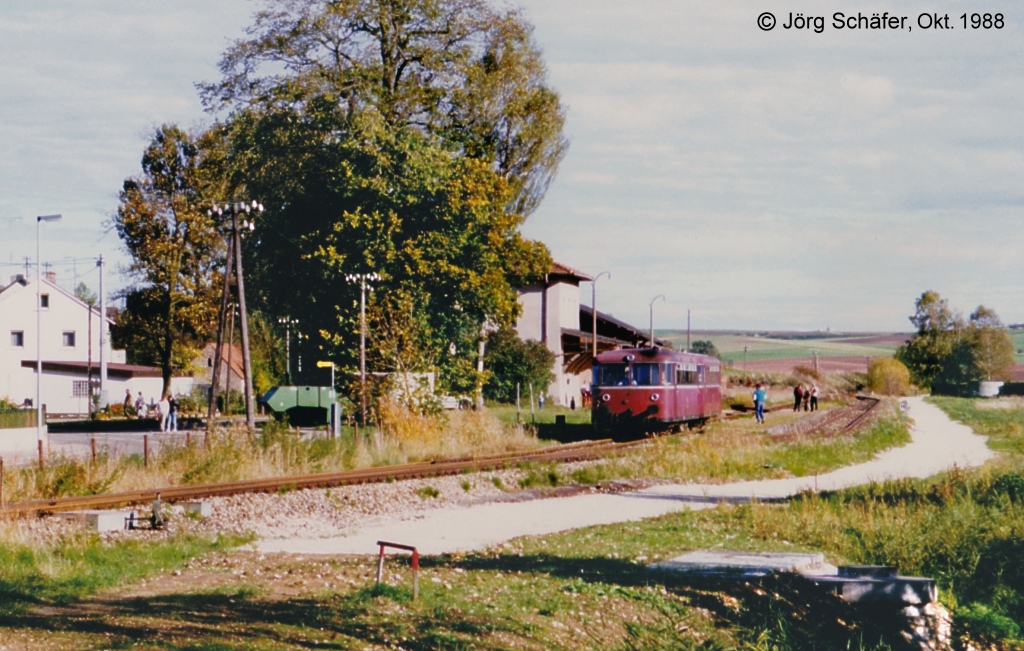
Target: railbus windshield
pixel 644 375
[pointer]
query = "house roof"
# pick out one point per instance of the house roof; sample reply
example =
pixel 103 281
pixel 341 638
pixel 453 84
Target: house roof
pixel 21 281
pixel 230 355
pixel 114 369
pixel 564 270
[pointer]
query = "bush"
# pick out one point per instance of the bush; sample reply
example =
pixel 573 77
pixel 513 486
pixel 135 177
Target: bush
pixel 888 376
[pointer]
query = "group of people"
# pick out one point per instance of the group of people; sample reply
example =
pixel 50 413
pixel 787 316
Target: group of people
pixel 805 397
pixel 165 411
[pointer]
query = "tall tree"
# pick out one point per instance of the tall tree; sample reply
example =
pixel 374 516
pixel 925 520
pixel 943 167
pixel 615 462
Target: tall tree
pixel 939 331
pixel 455 69
pixel 994 352
pixel 175 251
pixel 951 351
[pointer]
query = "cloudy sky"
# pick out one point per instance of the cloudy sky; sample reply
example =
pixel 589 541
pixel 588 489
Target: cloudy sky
pixel 783 179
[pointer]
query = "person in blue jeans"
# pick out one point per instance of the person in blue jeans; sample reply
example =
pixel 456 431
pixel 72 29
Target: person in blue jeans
pixel 172 415
pixel 760 396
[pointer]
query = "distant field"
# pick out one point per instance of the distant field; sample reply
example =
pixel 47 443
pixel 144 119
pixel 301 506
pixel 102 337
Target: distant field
pixel 792 345
pixel 779 352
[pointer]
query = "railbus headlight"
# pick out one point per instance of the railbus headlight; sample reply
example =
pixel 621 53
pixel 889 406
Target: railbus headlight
pixel 605 397
pixel 654 397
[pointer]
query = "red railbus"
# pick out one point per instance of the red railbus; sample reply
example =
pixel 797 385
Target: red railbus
pixel 654 389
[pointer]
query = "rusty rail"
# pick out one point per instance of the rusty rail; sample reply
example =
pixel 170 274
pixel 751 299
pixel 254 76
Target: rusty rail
pixel 562 453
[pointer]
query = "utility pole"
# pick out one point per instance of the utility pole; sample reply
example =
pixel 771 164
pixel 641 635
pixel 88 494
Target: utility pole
pixel 288 322
pixel 362 278
pixel 104 398
pixel 234 255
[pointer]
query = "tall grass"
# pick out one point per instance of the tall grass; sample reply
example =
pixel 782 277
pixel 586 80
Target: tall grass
pixel 273 451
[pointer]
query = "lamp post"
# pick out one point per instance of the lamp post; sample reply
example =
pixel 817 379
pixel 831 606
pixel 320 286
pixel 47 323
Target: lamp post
pixel 288 322
pixel 39 312
pixel 362 278
pixel 593 308
pixel 662 297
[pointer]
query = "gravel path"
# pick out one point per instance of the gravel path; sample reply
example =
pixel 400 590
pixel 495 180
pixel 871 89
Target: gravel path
pixel 472 521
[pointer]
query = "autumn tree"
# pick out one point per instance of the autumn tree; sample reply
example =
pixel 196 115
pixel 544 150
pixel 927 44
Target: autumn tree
pixel 950 351
pixel 406 138
pixel 175 252
pixel 939 330
pixel 459 71
pixel 994 352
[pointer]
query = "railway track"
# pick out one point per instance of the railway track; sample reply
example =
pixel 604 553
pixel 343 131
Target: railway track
pixel 583 451
pixel 828 423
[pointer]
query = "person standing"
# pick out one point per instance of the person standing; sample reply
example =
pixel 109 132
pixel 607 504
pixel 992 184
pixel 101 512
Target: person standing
pixel 127 409
pixel 798 397
pixel 814 397
pixel 165 412
pixel 760 396
pixel 172 414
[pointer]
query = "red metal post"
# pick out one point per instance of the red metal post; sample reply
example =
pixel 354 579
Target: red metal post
pixel 415 564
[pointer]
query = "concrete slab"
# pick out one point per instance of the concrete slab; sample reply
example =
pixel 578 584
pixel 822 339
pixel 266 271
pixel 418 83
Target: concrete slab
pixel 99 520
pixel 747 563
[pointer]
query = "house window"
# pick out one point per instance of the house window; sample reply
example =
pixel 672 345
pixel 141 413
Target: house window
pixel 69 339
pixel 80 389
pixel 17 338
pixel 44 301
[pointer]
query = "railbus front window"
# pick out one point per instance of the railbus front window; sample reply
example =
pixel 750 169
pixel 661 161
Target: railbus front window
pixel 608 375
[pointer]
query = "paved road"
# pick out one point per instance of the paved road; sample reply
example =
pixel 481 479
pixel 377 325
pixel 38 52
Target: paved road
pixel 938 444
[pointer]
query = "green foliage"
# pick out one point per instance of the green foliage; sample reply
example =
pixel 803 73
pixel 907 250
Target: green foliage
pixel 888 377
pixel 704 347
pixel 407 139
pixel 954 354
pixel 459 71
pixel 175 251
pixel 513 362
pixel 428 492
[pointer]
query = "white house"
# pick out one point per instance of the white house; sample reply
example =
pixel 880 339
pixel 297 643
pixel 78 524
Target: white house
pixel 551 314
pixel 69 342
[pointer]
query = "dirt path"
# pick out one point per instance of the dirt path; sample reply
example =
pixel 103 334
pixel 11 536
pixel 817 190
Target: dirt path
pixel 938 444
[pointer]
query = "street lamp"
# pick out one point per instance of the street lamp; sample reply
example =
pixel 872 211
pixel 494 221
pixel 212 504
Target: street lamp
pixel 662 297
pixel 362 278
pixel 39 311
pixel 593 307
pixel 288 322
pixel 242 215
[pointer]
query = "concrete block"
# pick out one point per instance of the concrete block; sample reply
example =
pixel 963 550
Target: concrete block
pixel 201 509
pixel 99 520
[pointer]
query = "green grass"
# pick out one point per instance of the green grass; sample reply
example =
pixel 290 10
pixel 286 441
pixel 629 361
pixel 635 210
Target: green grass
pixel 507 414
pixel 81 565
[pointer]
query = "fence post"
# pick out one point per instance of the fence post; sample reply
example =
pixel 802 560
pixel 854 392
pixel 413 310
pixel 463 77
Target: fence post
pixel 42 466
pixel 1 481
pixel 92 444
pixel 145 450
